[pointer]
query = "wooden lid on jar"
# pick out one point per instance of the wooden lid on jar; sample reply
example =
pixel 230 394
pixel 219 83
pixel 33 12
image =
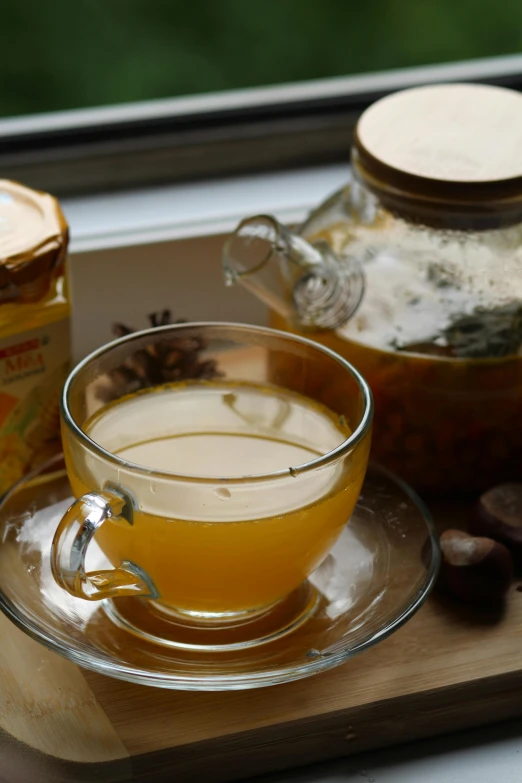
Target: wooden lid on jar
pixel 33 241
pixel 454 148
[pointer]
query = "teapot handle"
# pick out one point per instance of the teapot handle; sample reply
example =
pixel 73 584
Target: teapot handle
pixel 304 282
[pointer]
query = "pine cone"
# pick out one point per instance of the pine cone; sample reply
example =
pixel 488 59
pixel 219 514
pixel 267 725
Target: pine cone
pixel 163 361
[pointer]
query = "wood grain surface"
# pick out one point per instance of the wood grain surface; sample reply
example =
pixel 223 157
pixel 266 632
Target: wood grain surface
pixel 449 667
pixel 46 703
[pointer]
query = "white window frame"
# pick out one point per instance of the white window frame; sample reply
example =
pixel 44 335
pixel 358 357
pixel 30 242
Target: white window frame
pixel 219 134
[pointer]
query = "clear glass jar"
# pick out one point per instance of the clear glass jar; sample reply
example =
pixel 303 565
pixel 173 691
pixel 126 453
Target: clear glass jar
pixel 417 281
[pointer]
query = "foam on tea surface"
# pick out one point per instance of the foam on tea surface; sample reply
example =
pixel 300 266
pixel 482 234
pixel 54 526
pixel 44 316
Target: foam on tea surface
pixel 216 430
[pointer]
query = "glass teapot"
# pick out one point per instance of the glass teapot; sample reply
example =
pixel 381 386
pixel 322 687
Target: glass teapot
pixel 413 272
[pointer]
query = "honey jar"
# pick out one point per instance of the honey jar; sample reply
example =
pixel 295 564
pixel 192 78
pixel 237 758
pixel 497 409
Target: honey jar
pixel 34 328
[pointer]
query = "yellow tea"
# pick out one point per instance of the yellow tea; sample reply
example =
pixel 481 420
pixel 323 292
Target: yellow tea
pixel 211 539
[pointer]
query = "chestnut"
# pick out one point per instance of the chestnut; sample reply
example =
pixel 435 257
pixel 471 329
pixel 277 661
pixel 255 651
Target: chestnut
pixel 498 515
pixel 474 570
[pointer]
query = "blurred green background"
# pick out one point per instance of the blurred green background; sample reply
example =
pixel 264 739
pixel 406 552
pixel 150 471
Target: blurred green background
pixel 65 54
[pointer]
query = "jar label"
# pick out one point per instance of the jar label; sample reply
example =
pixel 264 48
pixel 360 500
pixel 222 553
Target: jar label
pixel 33 369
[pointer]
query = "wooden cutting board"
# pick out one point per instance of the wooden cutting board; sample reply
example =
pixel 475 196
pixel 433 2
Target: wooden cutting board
pixel 448 668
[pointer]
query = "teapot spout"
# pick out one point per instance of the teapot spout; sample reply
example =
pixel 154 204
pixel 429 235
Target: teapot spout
pixel 304 282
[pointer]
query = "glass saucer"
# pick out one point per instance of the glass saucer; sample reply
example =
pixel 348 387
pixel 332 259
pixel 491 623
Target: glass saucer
pixel 377 575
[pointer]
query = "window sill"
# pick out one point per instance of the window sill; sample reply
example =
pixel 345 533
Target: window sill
pixel 137 252
pixel 149 215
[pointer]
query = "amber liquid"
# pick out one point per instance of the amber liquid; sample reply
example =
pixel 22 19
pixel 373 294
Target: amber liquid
pixel 222 545
pixel 448 427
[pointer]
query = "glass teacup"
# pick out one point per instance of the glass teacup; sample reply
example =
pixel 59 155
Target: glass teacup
pixel 216 464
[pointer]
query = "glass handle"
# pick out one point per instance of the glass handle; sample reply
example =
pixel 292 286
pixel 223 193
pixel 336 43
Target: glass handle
pixel 327 296
pixel 306 283
pixel 71 542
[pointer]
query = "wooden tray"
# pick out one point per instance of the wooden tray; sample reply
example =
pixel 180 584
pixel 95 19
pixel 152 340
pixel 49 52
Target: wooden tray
pixel 448 668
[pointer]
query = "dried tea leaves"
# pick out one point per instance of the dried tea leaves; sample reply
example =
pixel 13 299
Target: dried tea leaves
pixel 482 334
pixel 487 333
